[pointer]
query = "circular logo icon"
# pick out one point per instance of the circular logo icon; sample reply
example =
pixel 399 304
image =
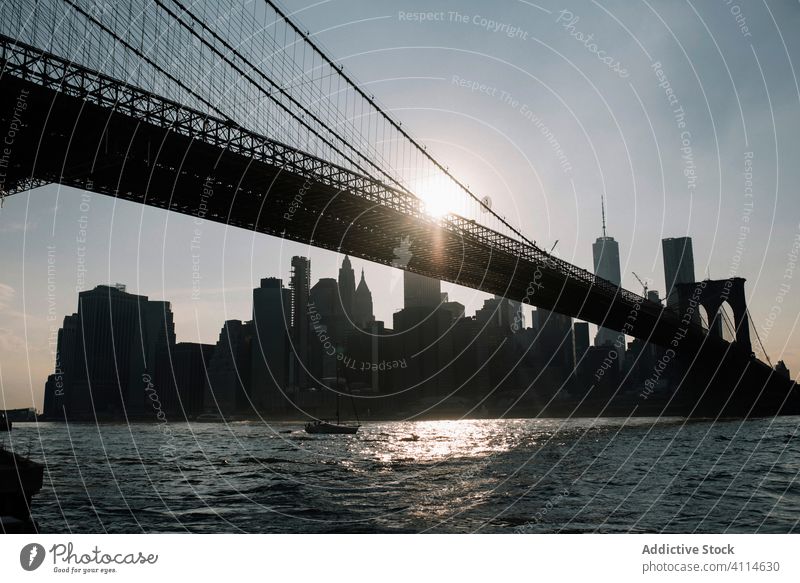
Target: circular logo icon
pixel 31 556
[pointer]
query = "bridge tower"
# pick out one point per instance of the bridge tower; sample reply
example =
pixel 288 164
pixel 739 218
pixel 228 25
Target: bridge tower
pixel 711 294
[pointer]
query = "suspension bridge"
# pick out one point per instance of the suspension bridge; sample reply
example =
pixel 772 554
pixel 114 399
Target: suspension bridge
pixel 233 111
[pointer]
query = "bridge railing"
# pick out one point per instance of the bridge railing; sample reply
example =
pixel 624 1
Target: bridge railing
pixel 248 62
pixel 59 74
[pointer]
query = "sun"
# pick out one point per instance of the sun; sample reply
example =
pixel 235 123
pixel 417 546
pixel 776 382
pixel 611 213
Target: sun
pixel 440 196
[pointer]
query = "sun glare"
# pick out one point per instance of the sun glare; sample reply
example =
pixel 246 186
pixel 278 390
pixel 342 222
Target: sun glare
pixel 441 196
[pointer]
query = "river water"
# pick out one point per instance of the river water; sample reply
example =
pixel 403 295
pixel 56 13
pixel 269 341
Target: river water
pixel 532 475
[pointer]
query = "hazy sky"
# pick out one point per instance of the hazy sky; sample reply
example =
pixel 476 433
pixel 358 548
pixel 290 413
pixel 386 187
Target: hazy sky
pixel 515 99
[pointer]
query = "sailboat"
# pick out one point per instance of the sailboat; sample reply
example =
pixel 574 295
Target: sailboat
pixel 324 427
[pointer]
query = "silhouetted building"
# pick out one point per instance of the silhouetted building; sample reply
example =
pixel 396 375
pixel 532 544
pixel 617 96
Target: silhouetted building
pixel 606 265
pixel 187 364
pixel 300 285
pixel 108 353
pixel 456 309
pixel 497 311
pixel 580 340
pixel 270 353
pixel 363 315
pixel 420 291
pixel 554 339
pixel 347 288
pixel 330 330
pixel 227 385
pixel 58 389
pixel 782 370
pixel 155 336
pixel 423 341
pixel 678 265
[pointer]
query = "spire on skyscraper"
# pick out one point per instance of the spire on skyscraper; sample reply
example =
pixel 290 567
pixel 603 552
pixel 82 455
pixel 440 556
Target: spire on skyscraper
pixel 603 210
pixel 362 304
pixel 347 286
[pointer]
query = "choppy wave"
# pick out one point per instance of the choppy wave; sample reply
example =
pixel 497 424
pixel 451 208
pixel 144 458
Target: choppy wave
pixel 538 475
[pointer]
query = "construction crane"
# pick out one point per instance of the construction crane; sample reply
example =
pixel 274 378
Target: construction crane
pixel 644 285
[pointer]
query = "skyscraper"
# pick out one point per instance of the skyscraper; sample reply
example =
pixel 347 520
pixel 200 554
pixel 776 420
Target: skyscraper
pixel 155 337
pixel 228 383
pixel 329 328
pixel 580 340
pixel 606 265
pixel 420 291
pixel 107 353
pixel 347 286
pixel 270 347
pixel 678 265
pixel 59 391
pixel 554 342
pixel 362 305
pixel 300 285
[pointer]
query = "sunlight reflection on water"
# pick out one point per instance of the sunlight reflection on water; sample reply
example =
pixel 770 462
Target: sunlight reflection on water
pixel 539 475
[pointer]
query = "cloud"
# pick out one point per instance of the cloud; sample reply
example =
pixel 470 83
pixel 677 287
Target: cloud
pixel 16 227
pixel 6 295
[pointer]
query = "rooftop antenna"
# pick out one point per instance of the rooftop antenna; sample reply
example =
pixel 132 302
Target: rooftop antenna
pixel 603 209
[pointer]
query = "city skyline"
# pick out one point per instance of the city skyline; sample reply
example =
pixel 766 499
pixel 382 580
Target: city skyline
pixel 638 192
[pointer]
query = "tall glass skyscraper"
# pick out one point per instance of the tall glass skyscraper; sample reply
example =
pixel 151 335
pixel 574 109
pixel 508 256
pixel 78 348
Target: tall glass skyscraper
pixel 678 265
pixel 606 265
pixel 420 291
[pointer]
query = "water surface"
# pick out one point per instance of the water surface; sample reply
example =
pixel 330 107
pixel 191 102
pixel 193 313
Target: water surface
pixel 535 475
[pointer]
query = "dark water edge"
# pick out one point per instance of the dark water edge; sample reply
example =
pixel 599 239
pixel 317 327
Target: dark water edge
pixel 503 476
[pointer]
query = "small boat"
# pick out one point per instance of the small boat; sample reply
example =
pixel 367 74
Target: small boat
pixel 319 427
pixel 324 427
pixel 209 418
